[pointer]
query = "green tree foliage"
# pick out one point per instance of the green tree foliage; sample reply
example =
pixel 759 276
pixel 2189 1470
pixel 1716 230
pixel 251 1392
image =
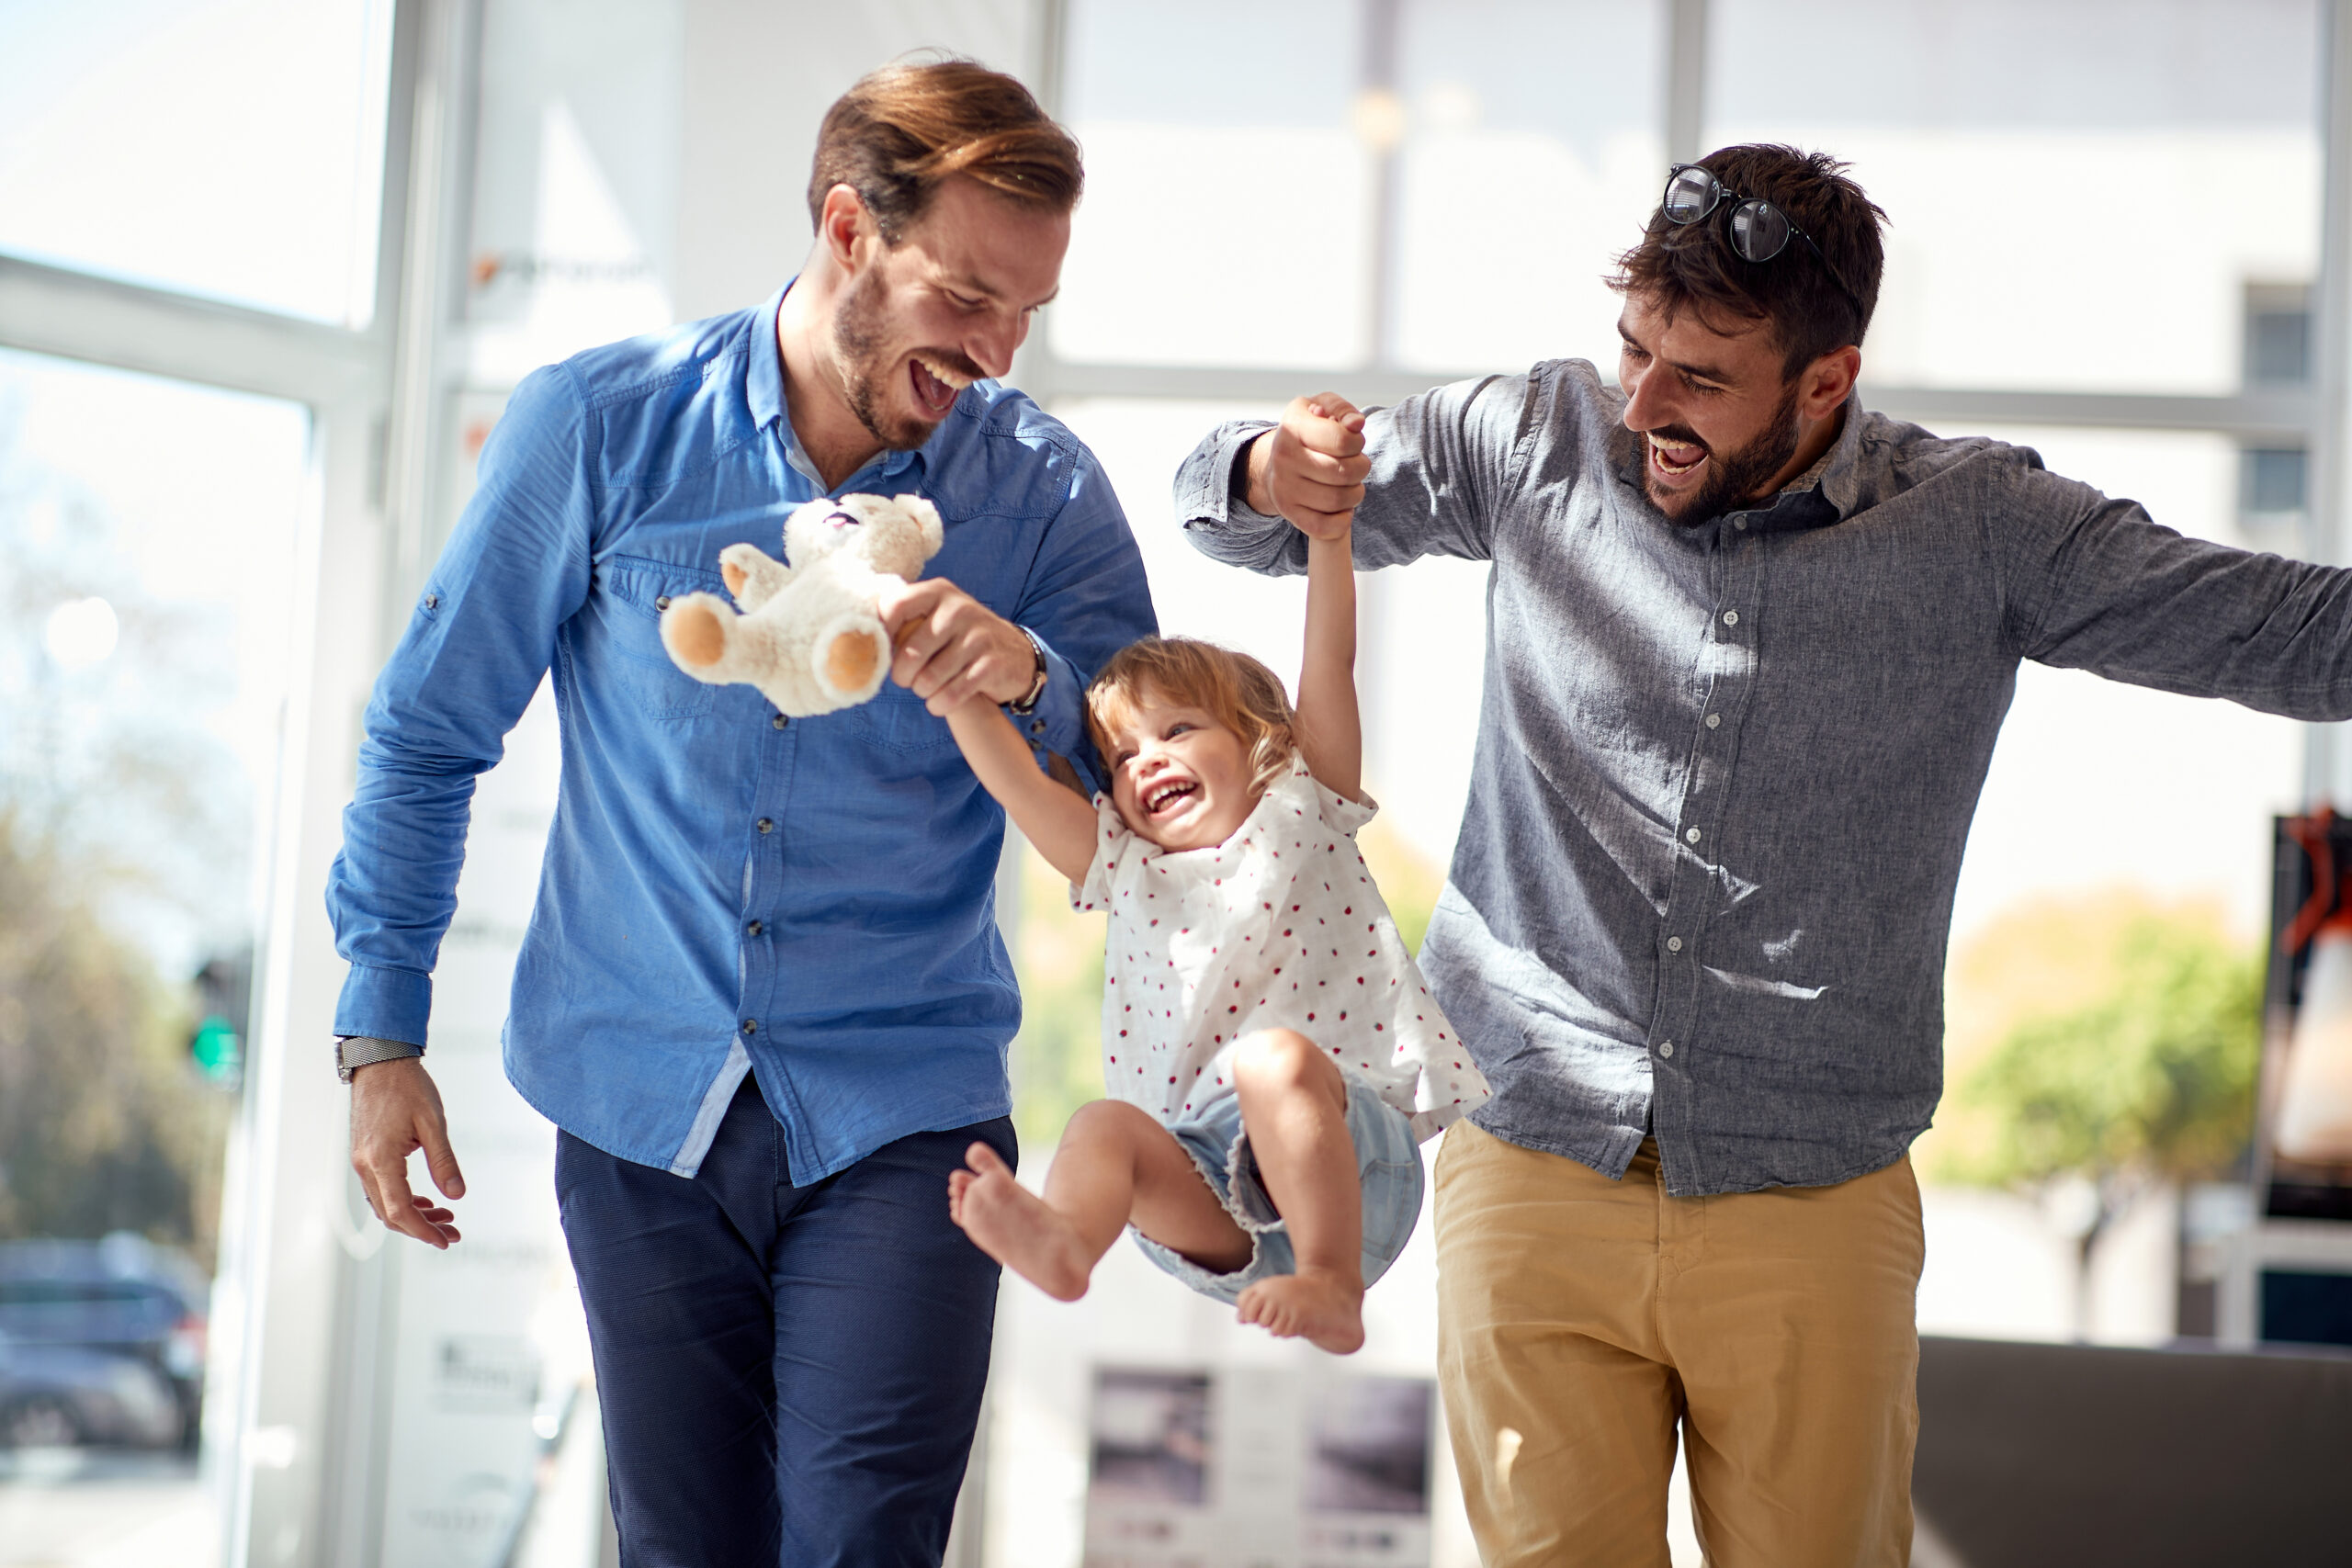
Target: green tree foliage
pixel 123 836
pixel 2151 1081
pixel 102 1126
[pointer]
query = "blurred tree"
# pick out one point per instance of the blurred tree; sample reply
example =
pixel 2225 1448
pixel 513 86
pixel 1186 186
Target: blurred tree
pixel 1057 1057
pixel 124 840
pixel 2152 1080
pixel 102 1125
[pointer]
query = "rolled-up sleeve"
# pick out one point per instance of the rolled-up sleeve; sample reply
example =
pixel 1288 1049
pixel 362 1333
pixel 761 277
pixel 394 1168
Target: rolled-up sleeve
pixel 1440 460
pixel 1086 599
pixel 479 640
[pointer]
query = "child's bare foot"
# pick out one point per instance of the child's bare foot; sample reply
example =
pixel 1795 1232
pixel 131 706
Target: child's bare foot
pixel 1314 1304
pixel 1014 1225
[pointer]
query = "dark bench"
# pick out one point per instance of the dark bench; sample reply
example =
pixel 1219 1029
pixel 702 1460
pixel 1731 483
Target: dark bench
pixel 2075 1456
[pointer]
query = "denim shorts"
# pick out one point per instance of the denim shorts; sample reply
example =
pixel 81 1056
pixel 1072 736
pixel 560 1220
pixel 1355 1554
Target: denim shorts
pixel 1388 1162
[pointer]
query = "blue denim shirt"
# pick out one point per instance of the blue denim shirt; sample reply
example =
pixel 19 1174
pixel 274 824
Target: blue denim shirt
pixel 811 900
pixel 1725 772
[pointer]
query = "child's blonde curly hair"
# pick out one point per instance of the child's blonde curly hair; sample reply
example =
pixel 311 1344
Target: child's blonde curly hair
pixel 1238 691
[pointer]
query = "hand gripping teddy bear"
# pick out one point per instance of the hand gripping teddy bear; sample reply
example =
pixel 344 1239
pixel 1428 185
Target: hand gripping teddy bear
pixel 809 638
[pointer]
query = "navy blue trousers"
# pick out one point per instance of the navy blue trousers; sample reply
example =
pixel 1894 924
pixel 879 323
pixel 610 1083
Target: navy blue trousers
pixel 787 1375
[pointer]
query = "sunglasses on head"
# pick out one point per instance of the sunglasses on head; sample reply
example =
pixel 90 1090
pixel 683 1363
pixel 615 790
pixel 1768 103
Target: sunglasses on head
pixel 1756 231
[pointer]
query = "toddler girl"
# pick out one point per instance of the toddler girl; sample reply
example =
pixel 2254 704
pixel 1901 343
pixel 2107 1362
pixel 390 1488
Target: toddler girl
pixel 1272 1054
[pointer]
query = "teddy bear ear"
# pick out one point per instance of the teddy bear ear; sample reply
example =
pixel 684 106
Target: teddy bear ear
pixel 926 517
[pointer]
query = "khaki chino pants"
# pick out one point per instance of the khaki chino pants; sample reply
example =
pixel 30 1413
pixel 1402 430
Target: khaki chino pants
pixel 1580 1319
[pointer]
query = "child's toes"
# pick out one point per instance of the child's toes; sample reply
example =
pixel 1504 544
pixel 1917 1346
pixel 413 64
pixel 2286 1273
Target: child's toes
pixel 985 1161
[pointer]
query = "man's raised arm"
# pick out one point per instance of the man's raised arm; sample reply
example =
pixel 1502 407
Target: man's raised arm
pixel 1416 479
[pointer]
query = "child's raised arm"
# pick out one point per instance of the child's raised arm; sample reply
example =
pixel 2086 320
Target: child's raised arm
pixel 1330 729
pixel 1057 819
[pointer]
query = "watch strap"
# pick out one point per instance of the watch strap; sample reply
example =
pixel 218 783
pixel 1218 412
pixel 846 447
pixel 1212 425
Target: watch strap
pixel 1027 701
pixel 353 1052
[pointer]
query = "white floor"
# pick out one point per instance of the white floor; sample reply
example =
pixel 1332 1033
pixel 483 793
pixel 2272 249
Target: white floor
pixel 98 1508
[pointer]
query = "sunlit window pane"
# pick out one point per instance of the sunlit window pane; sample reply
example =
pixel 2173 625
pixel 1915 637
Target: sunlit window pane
pixel 146 620
pixel 1228 217
pixel 232 148
pixel 2079 196
pixel 1531 159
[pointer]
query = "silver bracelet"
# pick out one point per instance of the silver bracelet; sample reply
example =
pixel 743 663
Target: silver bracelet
pixel 353 1052
pixel 1026 704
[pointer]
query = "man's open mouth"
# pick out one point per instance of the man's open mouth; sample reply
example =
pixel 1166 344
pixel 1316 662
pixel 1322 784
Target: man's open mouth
pixel 1674 460
pixel 936 384
pixel 1163 798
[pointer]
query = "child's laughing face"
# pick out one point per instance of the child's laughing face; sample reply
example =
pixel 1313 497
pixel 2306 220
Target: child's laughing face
pixel 1179 777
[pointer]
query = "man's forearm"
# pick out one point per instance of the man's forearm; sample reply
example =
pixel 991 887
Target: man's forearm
pixel 1213 505
pixel 1248 486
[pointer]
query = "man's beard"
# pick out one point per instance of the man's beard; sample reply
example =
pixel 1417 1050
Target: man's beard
pixel 1732 478
pixel 860 327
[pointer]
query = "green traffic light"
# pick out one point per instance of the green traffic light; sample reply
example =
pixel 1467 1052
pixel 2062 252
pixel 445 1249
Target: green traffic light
pixel 219 1055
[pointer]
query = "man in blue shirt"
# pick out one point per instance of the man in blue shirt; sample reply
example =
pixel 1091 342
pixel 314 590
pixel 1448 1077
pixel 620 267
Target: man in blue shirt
pixel 761 994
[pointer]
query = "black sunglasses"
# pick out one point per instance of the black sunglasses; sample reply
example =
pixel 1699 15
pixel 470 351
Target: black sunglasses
pixel 1757 232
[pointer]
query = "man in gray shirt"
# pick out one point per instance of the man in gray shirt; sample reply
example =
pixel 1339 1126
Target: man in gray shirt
pixel 1748 648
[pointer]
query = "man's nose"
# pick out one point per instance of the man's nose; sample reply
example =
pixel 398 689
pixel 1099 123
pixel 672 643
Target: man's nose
pixel 991 348
pixel 1646 405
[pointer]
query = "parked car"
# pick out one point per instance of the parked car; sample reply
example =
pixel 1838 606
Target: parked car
pixel 61 1394
pixel 122 1299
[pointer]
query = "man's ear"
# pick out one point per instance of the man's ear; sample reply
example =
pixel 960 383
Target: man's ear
pixel 1828 381
pixel 841 222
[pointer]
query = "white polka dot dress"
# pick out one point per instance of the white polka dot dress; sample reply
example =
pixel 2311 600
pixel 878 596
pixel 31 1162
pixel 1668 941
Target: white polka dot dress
pixel 1279 927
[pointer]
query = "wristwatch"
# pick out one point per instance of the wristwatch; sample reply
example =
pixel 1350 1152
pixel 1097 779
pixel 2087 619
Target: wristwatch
pixel 1027 701
pixel 353 1052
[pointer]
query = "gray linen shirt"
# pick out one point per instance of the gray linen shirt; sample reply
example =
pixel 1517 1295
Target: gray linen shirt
pixel 1725 772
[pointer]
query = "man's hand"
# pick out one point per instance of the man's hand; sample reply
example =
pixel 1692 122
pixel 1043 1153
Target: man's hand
pixel 952 648
pixel 395 1111
pixel 1310 469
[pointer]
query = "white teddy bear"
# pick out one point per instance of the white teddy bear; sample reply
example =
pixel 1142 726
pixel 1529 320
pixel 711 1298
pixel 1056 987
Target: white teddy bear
pixel 809 638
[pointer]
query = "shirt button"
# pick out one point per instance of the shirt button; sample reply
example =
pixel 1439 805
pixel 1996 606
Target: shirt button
pixel 1731 617
pixel 1674 945
pixel 1713 720
pixel 1692 834
pixel 779 721
pixel 765 825
pixel 662 603
pixel 1740 524
pixel 755 928
pixel 1666 1047
pixel 751 1026
pixel 433 601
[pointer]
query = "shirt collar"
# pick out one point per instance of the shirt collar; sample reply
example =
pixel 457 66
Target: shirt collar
pixel 763 390
pixel 1838 474
pixel 1825 493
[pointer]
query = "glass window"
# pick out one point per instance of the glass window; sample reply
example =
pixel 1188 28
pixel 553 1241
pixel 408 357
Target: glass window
pixel 148 594
pixel 1531 157
pixel 2060 181
pixel 232 148
pixel 1228 217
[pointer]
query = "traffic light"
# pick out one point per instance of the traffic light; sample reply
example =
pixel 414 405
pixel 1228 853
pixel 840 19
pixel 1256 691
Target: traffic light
pixel 223 987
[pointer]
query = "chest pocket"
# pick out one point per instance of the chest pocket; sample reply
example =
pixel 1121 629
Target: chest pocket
pixel 898 720
pixel 637 590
